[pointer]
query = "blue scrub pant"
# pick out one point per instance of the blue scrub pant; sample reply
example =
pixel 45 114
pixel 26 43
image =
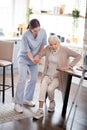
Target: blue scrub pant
pixel 20 94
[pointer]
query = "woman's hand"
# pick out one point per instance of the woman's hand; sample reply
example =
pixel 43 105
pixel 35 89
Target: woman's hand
pixel 64 67
pixel 36 60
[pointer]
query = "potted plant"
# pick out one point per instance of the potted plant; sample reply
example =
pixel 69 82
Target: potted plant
pixel 29 12
pixel 75 15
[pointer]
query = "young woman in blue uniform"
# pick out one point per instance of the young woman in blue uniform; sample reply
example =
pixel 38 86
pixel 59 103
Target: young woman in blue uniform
pixel 33 41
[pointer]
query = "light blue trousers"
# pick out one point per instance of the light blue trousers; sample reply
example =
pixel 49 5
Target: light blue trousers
pixel 22 91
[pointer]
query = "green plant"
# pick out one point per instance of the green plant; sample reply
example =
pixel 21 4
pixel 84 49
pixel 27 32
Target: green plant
pixel 75 15
pixel 29 12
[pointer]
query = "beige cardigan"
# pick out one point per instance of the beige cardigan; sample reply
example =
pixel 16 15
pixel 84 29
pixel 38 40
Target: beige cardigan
pixel 63 58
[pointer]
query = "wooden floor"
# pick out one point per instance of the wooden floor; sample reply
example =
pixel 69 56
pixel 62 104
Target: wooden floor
pixel 51 121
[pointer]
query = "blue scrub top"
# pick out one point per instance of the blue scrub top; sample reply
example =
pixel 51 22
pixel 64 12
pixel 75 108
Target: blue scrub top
pixel 29 43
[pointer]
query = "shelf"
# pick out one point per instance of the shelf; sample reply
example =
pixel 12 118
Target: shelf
pixel 51 14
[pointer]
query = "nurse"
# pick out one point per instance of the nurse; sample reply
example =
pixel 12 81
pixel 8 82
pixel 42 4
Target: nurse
pixel 33 41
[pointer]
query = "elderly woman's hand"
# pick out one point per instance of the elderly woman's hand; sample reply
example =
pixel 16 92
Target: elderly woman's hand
pixel 36 60
pixel 64 67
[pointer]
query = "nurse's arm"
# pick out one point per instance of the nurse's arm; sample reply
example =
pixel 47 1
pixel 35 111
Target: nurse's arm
pixel 34 60
pixel 40 50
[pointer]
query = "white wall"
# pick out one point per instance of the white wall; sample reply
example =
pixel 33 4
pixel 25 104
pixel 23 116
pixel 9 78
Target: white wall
pixel 5 15
pixel 20 12
pixel 61 25
pixel 12 13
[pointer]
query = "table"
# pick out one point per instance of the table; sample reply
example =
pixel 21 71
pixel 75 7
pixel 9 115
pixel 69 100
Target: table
pixel 75 73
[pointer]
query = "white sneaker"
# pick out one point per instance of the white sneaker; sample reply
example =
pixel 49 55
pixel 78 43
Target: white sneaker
pixel 51 106
pixel 29 103
pixel 18 108
pixel 38 114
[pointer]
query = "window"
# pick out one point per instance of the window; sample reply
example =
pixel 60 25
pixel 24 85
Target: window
pixel 12 13
pixel 5 15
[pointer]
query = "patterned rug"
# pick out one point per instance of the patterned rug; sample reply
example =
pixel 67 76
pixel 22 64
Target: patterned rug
pixel 7 113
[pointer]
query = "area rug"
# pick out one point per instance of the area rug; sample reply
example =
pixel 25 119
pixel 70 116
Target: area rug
pixel 7 113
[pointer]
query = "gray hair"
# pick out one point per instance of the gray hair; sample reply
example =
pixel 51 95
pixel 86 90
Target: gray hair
pixel 53 38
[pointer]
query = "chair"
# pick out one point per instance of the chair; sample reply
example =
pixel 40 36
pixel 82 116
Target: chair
pixel 6 59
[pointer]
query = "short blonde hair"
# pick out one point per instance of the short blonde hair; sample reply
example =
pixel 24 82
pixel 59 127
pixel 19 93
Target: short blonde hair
pixel 53 38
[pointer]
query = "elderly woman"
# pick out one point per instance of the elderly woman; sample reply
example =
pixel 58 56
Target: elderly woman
pixel 55 56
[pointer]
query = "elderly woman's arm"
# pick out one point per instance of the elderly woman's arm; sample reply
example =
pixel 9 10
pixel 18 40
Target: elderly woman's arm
pixel 76 57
